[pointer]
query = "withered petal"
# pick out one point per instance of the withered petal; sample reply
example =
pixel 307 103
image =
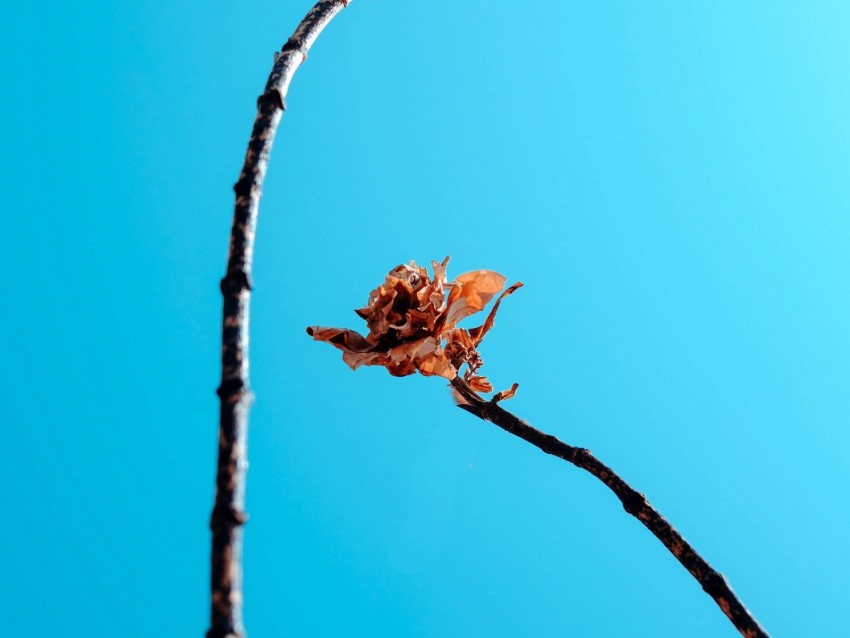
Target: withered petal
pixel 410 316
pixel 342 338
pixel 470 293
pixel 356 350
pixel 417 321
pixel 424 355
pixel 357 359
pixel 480 384
pixel 437 365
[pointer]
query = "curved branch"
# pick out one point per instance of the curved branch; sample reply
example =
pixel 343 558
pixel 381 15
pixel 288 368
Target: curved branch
pixel 633 501
pixel 228 514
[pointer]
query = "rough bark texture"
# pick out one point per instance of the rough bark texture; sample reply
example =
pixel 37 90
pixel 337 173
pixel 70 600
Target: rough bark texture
pixel 228 514
pixel 633 501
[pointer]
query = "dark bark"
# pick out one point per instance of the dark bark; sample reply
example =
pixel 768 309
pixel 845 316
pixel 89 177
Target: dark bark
pixel 228 514
pixel 633 502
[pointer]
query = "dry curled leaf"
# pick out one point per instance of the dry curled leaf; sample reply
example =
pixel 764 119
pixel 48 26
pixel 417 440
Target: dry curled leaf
pixel 471 292
pixel 504 395
pixel 412 320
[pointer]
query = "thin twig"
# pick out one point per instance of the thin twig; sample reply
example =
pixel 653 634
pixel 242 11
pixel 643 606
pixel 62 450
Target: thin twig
pixel 633 501
pixel 228 514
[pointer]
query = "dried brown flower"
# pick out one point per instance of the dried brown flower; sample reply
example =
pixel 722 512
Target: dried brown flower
pixel 412 324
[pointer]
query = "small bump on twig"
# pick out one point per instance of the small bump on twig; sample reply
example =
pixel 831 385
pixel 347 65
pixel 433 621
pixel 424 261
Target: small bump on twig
pixel 242 187
pixel 235 281
pixel 231 386
pixel 293 44
pixel 272 97
pixel 227 516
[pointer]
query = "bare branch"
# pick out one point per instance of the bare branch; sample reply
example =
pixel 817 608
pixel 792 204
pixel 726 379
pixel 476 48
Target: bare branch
pixel 633 501
pixel 228 514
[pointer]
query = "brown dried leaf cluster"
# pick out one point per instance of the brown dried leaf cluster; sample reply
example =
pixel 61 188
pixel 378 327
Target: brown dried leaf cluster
pixel 412 320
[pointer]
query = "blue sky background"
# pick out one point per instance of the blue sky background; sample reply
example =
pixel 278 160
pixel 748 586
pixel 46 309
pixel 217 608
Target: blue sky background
pixel 670 181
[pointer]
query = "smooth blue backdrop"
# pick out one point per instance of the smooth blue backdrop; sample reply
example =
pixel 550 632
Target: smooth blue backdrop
pixel 669 179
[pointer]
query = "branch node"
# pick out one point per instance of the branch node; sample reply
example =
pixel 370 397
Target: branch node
pixel 231 386
pixel 235 281
pixel 293 44
pixel 242 187
pixel 715 585
pixel 634 503
pixel 273 98
pixel 227 517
